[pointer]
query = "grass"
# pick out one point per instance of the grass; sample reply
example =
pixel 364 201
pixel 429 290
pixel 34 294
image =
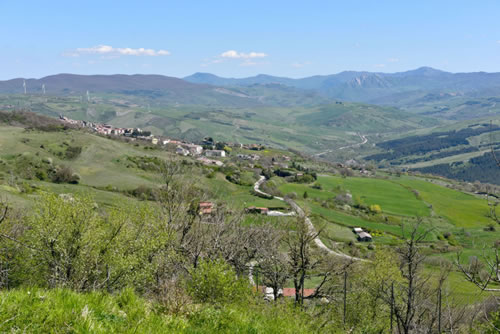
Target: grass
pixel 460 209
pixel 370 191
pixel 392 198
pixel 37 310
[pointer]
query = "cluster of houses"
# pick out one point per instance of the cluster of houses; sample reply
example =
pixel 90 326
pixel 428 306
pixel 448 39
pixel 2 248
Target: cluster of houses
pixel 109 130
pixel 362 235
pixel 182 148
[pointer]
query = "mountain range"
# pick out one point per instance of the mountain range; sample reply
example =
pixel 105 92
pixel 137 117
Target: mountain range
pixel 396 89
pixel 374 87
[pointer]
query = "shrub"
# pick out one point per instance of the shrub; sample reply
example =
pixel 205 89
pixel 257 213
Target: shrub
pixel 72 152
pixel 375 208
pixel 317 185
pixel 215 282
pixel 65 175
pixel 490 228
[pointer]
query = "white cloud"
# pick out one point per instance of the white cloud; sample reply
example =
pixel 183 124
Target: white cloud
pixel 498 41
pixel 300 64
pixel 393 60
pixel 107 50
pixel 379 65
pixel 241 55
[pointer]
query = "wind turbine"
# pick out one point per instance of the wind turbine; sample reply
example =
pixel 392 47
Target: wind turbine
pixel 43 89
pixel 88 96
pixel 24 86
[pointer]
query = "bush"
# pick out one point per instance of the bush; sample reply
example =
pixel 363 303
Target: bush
pixel 72 152
pixel 375 208
pixel 143 193
pixel 490 228
pixel 317 185
pixel 216 282
pixel 65 175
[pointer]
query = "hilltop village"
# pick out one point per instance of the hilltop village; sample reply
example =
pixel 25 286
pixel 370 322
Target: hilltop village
pixel 202 151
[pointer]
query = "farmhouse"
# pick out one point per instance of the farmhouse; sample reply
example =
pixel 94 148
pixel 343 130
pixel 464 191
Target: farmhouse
pixel 363 236
pixel 206 208
pixel 290 292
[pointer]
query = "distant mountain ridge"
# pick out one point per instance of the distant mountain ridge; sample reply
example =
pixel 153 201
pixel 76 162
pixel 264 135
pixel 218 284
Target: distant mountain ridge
pixel 165 90
pixel 372 86
pixel 400 89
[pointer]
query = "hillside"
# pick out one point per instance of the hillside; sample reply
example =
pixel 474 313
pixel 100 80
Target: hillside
pixel 159 89
pixel 461 151
pixel 376 87
pixel 113 200
pixel 310 129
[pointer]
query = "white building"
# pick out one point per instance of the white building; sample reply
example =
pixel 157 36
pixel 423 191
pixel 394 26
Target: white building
pixel 215 153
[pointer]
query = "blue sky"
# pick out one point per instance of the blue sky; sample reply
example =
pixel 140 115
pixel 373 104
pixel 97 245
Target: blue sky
pixel 244 38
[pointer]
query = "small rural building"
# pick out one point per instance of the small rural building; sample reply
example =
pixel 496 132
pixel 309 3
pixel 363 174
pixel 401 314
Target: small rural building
pixel 215 153
pixel 290 292
pixel 357 230
pixel 253 209
pixel 206 208
pixel 363 236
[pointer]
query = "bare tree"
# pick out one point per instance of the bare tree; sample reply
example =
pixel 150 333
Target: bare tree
pixel 481 273
pixel 275 271
pixel 411 301
pixel 299 241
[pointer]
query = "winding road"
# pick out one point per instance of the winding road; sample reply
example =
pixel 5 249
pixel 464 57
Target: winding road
pixel 310 225
pixel 363 138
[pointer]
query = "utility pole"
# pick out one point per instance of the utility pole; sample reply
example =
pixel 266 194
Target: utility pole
pixel 392 303
pixel 439 310
pixel 345 296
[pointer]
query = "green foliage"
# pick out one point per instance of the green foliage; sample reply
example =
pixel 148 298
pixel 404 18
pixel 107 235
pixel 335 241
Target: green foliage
pixel 145 163
pixel 65 174
pixel 375 208
pixel 72 152
pixel 73 246
pixel 215 282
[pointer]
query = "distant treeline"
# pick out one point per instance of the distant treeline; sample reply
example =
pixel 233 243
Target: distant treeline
pixel 419 145
pixel 444 154
pixel 483 169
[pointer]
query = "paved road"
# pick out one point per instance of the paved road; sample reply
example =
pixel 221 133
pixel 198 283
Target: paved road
pixel 310 225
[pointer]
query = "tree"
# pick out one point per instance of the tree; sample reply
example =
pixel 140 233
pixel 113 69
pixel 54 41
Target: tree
pixel 275 271
pixel 411 300
pixel 481 273
pixel 303 259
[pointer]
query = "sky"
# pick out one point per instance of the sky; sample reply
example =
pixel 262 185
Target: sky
pixel 246 38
